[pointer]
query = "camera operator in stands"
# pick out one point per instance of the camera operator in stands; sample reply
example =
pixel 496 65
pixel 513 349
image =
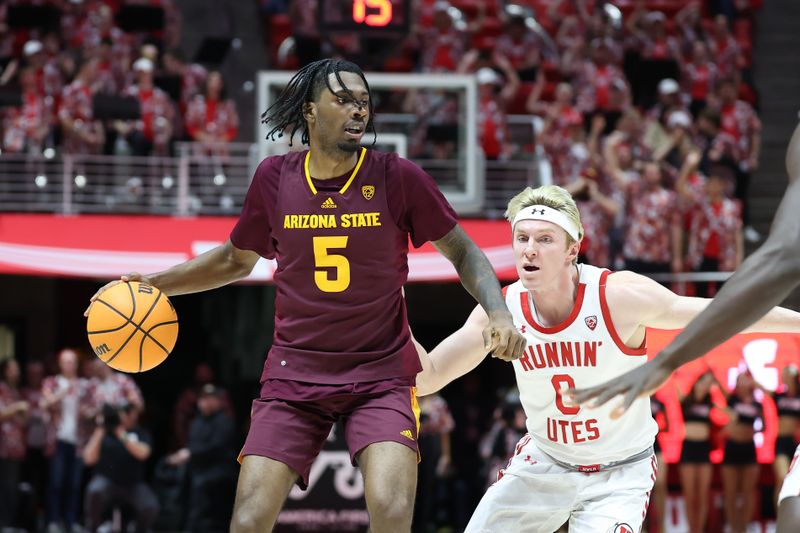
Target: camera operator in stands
pixel 118 450
pixel 211 457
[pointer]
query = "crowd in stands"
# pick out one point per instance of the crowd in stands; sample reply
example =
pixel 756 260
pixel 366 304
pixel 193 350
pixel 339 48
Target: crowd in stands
pixel 75 441
pixel 101 77
pixel 646 115
pixel 646 110
pixel 73 450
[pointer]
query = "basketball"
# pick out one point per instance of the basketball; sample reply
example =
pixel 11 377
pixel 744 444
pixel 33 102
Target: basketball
pixel 132 327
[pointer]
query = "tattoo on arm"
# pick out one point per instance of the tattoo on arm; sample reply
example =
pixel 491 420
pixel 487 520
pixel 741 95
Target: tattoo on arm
pixel 474 269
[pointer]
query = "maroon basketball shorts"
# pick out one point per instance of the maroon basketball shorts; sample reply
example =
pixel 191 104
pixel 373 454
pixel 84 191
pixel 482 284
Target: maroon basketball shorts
pixel 293 431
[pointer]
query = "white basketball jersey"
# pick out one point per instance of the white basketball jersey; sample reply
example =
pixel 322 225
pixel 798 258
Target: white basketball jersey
pixel 583 351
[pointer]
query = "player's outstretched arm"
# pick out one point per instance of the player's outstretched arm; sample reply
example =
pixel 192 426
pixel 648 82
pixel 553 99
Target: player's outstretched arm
pixel 478 277
pixel 762 281
pixel 454 356
pixel 215 268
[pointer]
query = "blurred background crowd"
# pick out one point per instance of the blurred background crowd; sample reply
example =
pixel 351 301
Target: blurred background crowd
pixel 78 450
pixel 646 111
pixel 649 118
pixel 76 76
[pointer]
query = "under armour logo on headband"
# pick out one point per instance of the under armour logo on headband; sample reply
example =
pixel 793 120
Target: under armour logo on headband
pixel 540 212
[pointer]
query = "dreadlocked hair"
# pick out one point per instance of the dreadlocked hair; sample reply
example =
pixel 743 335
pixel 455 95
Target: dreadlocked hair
pixel 286 114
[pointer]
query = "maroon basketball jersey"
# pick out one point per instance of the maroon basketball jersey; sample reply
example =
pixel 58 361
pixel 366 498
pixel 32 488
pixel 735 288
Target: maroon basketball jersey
pixel 341 247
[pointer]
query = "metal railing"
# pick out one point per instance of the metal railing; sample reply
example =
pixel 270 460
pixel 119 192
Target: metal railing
pixel 195 181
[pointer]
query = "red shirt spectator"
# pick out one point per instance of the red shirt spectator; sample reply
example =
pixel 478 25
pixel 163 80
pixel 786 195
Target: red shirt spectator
pixel 571 33
pixel 492 100
pixel 155 124
pixel 598 225
pixel 48 77
pixel 522 48
pixel 599 79
pixel 559 112
pixel 598 206
pixel 567 152
pixel 82 133
pixel 714 221
pixel 211 119
pixel 700 75
pixel 723 47
pixel 492 128
pixel 716 232
pixel 98 27
pixel 656 44
pixel 649 36
pixel 739 119
pixel 442 46
pixel 653 220
pixel 25 128
pixel 73 18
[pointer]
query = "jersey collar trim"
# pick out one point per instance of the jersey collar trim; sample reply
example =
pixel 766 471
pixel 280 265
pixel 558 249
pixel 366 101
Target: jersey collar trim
pixel 349 180
pixel 525 303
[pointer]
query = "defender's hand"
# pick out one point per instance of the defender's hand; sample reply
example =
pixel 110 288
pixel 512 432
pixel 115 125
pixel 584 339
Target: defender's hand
pixel 638 383
pixel 502 340
pixel 132 276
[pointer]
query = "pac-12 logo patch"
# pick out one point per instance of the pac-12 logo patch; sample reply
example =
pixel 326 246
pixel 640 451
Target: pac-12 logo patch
pixel 591 321
pixel 622 528
pixel 368 191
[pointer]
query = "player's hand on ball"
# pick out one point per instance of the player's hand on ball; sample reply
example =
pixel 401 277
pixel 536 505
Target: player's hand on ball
pixel 501 338
pixel 640 382
pixel 125 278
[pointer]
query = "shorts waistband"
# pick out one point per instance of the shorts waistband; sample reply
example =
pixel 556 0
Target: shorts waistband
pixel 644 454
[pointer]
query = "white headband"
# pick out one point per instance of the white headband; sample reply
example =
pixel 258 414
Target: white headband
pixel 548 214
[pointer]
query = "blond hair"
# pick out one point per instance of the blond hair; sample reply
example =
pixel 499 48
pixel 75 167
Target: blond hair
pixel 551 196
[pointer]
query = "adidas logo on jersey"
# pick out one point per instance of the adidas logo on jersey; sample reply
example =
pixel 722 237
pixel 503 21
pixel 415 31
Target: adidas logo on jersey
pixel 328 203
pixel 407 434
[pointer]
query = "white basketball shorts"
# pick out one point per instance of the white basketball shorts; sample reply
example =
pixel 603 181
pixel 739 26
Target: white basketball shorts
pixel 791 483
pixel 534 494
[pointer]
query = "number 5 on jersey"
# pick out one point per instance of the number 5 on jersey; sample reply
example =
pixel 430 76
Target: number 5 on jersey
pixel 323 260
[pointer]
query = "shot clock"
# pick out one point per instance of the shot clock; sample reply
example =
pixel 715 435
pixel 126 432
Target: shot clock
pixel 373 17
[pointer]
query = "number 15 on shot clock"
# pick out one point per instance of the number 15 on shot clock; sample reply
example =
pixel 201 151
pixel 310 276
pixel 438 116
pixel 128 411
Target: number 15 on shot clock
pixel 375 17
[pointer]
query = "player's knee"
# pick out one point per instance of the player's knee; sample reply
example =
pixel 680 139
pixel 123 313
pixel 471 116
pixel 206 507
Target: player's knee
pixel 245 520
pixel 392 507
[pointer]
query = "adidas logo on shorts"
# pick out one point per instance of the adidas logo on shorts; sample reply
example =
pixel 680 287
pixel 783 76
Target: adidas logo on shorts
pixel 407 434
pixel 328 203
